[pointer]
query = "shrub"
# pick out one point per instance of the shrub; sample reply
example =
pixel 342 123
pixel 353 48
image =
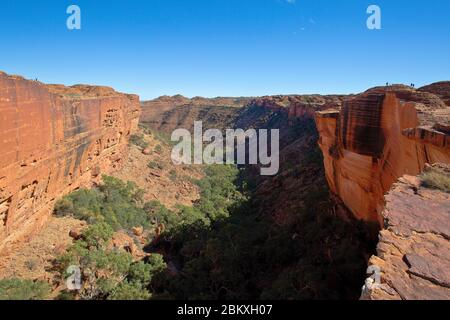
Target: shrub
pixel 113 187
pixel 173 175
pixel 18 289
pixel 436 179
pixel 31 264
pixel 192 215
pixel 143 272
pixel 158 149
pixel 154 165
pixel 138 140
pixel 158 214
pixel 98 235
pixel 129 291
pixel 66 295
pixel 115 202
pixel 82 204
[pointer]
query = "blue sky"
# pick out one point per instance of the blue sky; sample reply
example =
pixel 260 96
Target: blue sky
pixel 227 47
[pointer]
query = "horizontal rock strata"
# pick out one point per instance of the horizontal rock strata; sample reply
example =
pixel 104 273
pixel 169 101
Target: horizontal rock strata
pixel 55 139
pixel 378 136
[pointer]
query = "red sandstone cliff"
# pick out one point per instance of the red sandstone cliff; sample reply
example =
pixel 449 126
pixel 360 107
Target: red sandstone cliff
pixel 379 136
pixel 55 139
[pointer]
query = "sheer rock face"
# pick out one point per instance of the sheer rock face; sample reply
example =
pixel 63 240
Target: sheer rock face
pixel 413 253
pixel 378 136
pixel 55 139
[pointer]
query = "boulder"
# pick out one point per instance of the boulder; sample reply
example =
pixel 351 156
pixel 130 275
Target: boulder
pixel 146 151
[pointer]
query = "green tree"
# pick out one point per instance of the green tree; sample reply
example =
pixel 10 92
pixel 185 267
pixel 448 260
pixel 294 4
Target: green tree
pixel 143 272
pixel 129 291
pixel 18 289
pixel 114 202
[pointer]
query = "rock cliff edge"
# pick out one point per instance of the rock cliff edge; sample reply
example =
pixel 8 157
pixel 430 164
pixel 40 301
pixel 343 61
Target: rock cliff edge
pixel 55 139
pixel 379 136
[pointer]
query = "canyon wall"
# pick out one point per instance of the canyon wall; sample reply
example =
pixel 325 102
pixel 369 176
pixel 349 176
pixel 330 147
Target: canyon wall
pixel 169 113
pixel 55 139
pixel 377 137
pixel 300 106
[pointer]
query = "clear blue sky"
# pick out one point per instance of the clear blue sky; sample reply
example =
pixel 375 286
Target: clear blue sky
pixel 227 47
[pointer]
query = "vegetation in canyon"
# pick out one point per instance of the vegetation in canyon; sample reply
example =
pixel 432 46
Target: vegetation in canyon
pixel 108 273
pixel 138 140
pixel 225 246
pixel 114 202
pixel 20 289
pixel 116 205
pixel 248 254
pixel 246 236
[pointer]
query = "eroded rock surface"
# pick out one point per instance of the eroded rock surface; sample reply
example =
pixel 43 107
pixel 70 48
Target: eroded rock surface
pixel 55 139
pixel 380 135
pixel 413 254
